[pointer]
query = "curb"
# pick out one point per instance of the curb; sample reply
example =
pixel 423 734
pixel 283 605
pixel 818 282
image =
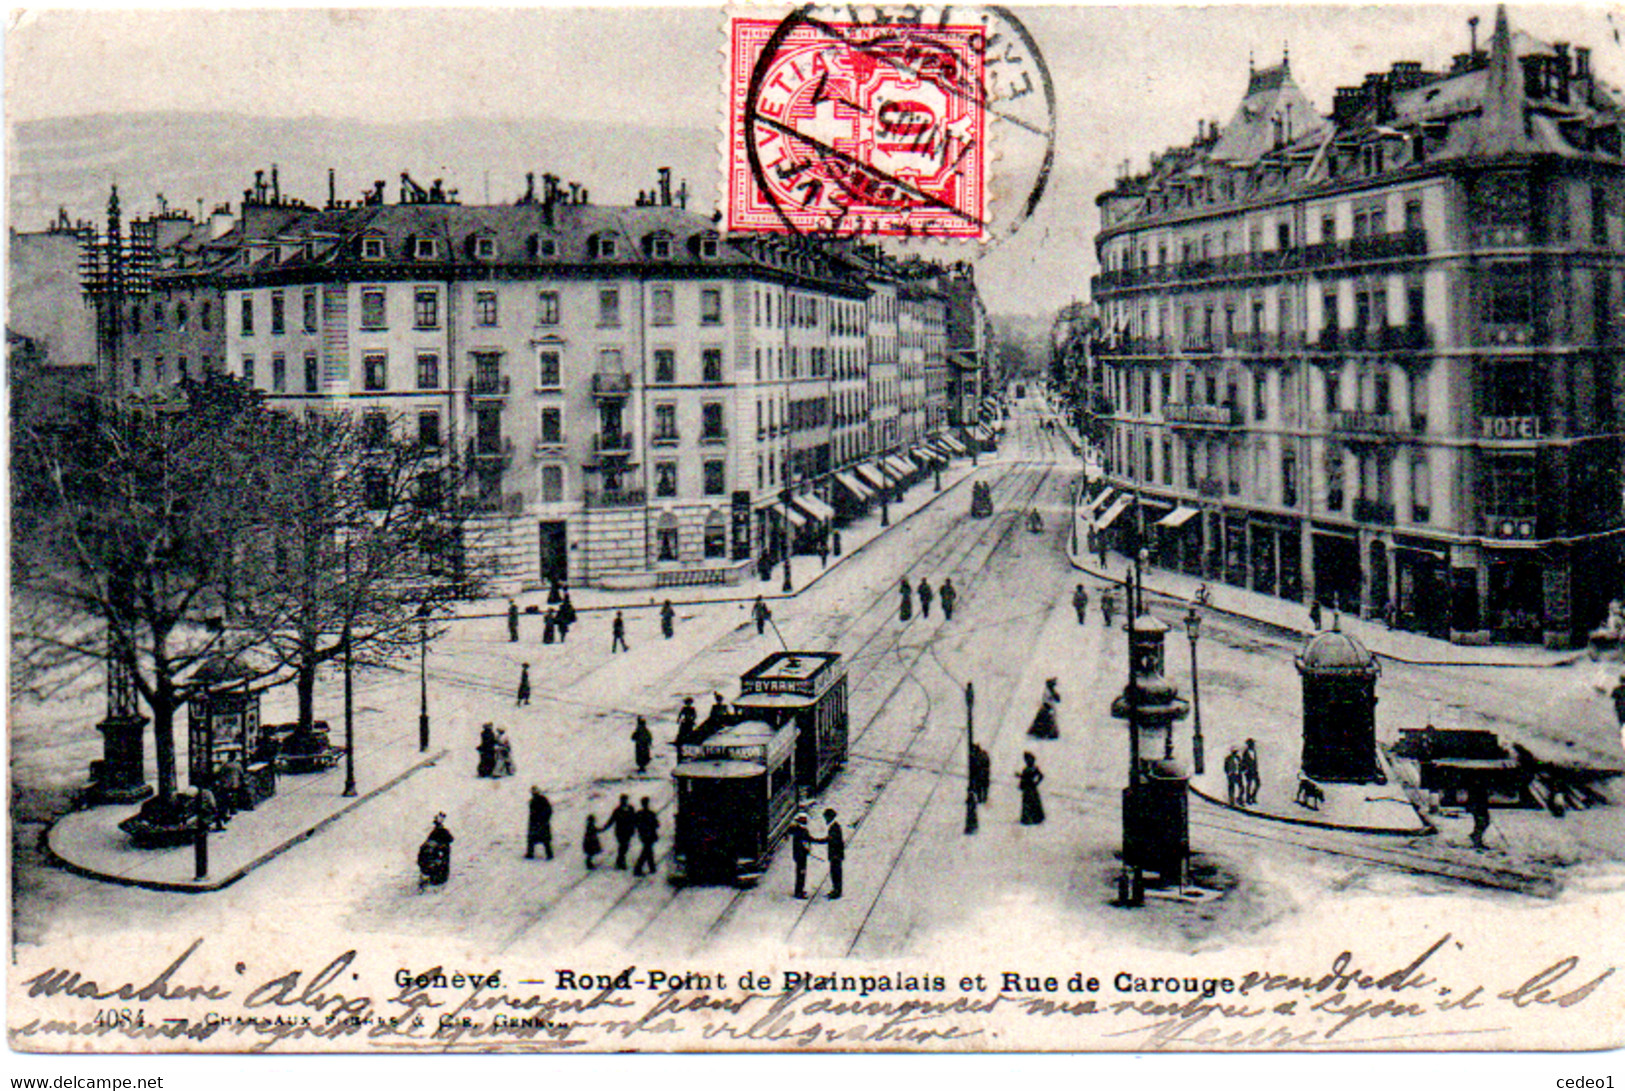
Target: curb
pixel 206 887
pixel 1500 664
pixel 1379 831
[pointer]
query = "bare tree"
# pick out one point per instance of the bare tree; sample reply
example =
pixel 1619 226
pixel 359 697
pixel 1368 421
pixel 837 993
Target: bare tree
pixel 129 536
pixel 364 528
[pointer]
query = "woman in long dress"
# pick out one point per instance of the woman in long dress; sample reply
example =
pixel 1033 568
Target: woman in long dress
pixel 905 606
pixel 504 755
pixel 1044 726
pixel 1032 805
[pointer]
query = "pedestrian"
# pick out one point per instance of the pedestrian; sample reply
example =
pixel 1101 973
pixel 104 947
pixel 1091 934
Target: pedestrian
pixel 487 750
pixel 591 844
pixel 668 617
pixel 623 821
pixel 648 827
pixel 434 855
pixel 503 766
pixel 1108 607
pixel 905 608
pixel 567 616
pixel 837 536
pixel 208 810
pixel 834 842
pixel 233 789
pixel 716 719
pixel 554 592
pixel 1249 771
pixel 972 821
pixel 1390 614
pixel 1203 595
pixel 1044 726
pixel 1478 805
pixel 801 839
pixel 925 599
pixel 1234 788
pixel 524 685
pixel 550 623
pixel 981 767
pixel 687 719
pixel 1314 614
pixel 761 615
pixel 513 622
pixel 948 596
pixel 617 630
pixel 641 742
pixel 539 830
pixel 1080 602
pixel 1032 804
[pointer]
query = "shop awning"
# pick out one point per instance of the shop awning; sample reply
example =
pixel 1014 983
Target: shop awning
pixel 814 507
pixel 898 466
pixel 854 486
pixel 940 449
pixel 1119 506
pixel 984 433
pixel 924 455
pixel 797 519
pixel 875 478
pixel 1094 505
pixel 953 444
pixel 1177 518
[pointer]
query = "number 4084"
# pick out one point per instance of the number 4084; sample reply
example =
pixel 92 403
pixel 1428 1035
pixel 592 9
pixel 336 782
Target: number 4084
pixel 121 1017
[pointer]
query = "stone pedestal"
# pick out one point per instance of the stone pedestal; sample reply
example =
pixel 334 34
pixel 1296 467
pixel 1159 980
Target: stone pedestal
pixel 120 775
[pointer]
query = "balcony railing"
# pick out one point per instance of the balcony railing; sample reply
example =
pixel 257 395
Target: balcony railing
pixel 488 386
pixel 546 446
pixel 1359 421
pixel 1393 244
pixel 617 498
pixel 611 384
pixel 1210 486
pixel 665 439
pixel 490 449
pixel 612 443
pixel 712 439
pixel 1226 415
pixel 1379 512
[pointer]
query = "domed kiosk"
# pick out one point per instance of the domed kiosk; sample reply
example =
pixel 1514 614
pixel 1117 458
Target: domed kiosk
pixel 1339 710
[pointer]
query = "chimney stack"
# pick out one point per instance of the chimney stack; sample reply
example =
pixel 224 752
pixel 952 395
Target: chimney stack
pixel 665 186
pixel 1472 30
pixel 332 189
pixel 682 194
pixel 276 186
pixel 575 193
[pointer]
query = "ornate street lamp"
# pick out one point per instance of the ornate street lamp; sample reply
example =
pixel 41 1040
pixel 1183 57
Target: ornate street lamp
pixel 789 540
pixel 1193 629
pixel 349 679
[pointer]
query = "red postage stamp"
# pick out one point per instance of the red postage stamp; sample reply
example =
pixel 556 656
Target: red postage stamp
pixel 847 128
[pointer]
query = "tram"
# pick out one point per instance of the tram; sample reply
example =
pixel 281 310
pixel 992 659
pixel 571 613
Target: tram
pixel 736 796
pixel 808 690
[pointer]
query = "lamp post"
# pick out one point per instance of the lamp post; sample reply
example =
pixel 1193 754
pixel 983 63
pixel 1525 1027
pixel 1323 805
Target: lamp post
pixel 423 677
pixel 789 541
pixel 349 679
pixel 1193 629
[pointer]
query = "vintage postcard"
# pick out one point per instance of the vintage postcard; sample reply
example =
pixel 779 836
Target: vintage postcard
pixel 825 528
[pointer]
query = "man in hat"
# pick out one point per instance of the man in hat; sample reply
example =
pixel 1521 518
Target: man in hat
pixel 539 830
pixel 834 841
pixel 801 840
pixel 513 622
pixel 522 698
pixel 623 820
pixel 648 827
pixel 617 630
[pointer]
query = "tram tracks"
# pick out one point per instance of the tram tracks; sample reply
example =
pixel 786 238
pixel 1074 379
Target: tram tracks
pixel 877 611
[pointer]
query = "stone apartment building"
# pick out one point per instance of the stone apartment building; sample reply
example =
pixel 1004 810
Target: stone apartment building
pixel 1375 359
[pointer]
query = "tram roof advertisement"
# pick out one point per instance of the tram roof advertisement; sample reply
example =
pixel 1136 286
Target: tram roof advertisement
pixel 746 741
pixel 805 673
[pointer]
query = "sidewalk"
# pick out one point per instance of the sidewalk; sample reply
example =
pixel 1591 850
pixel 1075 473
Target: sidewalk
pixel 1356 808
pixel 89 842
pixel 806 568
pixel 1292 617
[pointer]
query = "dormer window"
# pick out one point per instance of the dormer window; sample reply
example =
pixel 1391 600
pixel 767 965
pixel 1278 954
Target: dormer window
pixel 423 249
pixel 708 246
pixel 604 246
pixel 485 247
pixel 660 246
pixel 372 249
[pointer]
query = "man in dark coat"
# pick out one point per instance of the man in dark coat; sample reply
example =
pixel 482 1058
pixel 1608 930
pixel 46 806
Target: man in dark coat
pixel 905 605
pixel 801 840
pixel 668 618
pixel 648 827
pixel 834 841
pixel 1080 603
pixel 567 616
pixel 1314 614
pixel 687 723
pixel 524 684
pixel 641 743
pixel 540 828
pixel 981 768
pixel 513 622
pixel 487 751
pixel 760 614
pixel 623 820
pixel 925 599
pixel 948 596
pixel 617 629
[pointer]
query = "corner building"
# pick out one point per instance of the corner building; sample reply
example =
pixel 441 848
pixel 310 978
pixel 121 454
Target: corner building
pixel 1374 360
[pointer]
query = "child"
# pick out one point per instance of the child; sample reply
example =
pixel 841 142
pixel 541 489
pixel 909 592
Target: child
pixel 591 846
